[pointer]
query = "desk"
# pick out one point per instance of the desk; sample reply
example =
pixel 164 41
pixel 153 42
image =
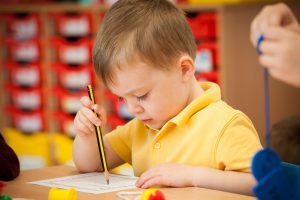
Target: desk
pixel 19 188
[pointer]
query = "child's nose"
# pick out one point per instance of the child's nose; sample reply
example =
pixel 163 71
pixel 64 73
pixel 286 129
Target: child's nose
pixel 134 108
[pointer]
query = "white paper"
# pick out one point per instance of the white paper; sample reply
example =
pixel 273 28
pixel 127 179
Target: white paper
pixel 94 183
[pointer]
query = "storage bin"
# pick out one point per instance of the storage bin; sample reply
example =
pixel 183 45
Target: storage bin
pixel 24 51
pixel 25 75
pixel 204 25
pixel 49 148
pixel 74 77
pixel 74 53
pixel 29 99
pixel 23 27
pixel 122 110
pixel 66 123
pixel 69 101
pixel 28 122
pixel 73 25
pixel 207 57
pixel 113 121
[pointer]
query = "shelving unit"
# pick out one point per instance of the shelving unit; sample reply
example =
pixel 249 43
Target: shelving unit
pixel 47 60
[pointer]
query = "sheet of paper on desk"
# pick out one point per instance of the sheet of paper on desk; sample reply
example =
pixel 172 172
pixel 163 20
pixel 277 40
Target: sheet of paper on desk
pixel 90 182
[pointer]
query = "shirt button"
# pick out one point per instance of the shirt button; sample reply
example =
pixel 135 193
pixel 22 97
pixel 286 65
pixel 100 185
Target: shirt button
pixel 157 145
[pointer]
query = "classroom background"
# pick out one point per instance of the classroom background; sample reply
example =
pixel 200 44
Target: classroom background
pixel 45 66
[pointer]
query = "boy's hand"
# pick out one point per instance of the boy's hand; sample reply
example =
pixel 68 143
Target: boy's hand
pixel 277 15
pixel 174 175
pixel 85 118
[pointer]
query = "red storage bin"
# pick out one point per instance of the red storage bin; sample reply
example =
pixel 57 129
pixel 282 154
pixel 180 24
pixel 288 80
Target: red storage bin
pixel 27 121
pixel 75 77
pixel 73 25
pixel 206 57
pixel 27 75
pixel 207 25
pixel 76 53
pixel 26 98
pixel 24 51
pixel 114 120
pixel 208 76
pixel 23 27
pixel 204 25
pixel 118 106
pixel 111 100
pixel 122 110
pixel 69 101
pixel 66 123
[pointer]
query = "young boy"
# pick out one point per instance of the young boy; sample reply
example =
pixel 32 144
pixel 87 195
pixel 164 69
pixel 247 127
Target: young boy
pixel 286 139
pixel 183 134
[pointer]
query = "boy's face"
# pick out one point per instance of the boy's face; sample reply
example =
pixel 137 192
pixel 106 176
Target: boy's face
pixel 153 96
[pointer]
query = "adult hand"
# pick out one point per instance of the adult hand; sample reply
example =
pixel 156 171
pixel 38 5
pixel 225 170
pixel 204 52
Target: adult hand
pixel 276 15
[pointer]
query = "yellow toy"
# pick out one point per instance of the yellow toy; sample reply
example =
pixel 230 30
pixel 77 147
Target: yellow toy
pixel 61 194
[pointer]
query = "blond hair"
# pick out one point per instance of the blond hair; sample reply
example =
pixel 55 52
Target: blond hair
pixel 154 31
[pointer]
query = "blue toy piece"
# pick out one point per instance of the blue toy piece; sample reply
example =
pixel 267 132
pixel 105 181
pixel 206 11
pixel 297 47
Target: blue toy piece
pixel 259 40
pixel 292 173
pixel 272 181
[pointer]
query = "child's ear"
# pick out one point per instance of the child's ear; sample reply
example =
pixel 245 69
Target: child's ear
pixel 187 67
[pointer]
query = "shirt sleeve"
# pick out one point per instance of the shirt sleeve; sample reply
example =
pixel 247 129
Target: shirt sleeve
pixel 237 144
pixel 10 166
pixel 120 140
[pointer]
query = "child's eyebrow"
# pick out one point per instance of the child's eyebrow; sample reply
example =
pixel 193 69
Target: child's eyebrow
pixel 127 93
pixel 133 91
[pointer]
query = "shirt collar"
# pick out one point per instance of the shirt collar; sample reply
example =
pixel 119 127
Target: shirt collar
pixel 212 93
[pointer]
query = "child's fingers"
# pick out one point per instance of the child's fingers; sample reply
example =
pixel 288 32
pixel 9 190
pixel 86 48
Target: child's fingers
pixel 86 101
pixel 85 120
pixel 143 179
pixel 101 112
pixel 82 124
pixel 90 116
pixel 156 180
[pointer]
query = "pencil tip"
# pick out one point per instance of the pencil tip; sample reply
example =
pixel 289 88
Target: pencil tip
pixel 107 181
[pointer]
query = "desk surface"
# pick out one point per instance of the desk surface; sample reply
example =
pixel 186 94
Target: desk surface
pixel 19 188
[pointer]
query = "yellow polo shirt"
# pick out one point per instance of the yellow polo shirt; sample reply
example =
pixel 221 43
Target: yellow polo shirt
pixel 207 132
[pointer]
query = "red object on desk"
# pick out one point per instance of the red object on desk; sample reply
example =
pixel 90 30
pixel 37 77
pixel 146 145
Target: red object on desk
pixel 2 184
pixel 157 195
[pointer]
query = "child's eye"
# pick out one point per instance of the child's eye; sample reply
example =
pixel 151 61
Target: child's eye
pixel 141 98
